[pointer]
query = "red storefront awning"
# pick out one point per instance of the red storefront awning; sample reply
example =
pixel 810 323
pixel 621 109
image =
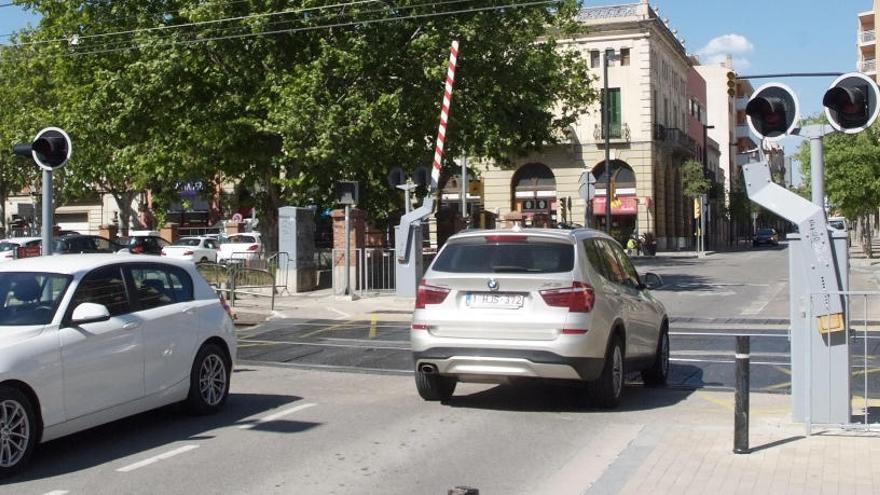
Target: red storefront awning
pixel 622 205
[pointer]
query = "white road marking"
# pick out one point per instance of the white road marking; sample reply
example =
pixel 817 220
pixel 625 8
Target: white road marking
pixel 157 458
pixel 279 414
pixel 763 300
pixel 342 314
pixel 57 492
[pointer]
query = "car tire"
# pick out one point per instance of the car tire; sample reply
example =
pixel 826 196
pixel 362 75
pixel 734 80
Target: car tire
pixel 606 391
pixel 433 387
pixel 208 381
pixel 18 424
pixel 658 374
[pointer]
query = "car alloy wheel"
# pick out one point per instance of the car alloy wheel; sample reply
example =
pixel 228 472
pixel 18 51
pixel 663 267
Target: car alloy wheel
pixel 617 371
pixel 15 433
pixel 212 379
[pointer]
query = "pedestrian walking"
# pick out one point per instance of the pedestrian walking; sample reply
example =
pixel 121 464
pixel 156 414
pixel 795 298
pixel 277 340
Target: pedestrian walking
pixel 631 246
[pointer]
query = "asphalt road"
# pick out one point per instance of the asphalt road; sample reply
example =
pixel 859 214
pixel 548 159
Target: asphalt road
pixel 287 431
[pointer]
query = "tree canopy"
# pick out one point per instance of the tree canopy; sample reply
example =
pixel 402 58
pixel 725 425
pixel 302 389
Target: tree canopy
pixel 286 97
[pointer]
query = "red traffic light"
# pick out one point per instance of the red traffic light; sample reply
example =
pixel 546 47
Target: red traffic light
pixel 772 111
pixel 851 103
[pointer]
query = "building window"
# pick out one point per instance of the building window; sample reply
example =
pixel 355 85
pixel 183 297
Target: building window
pixel 594 59
pixel 614 120
pixel 624 56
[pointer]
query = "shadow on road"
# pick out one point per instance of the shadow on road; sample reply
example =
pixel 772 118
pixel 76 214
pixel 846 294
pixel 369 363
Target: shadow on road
pixel 161 427
pixel 540 396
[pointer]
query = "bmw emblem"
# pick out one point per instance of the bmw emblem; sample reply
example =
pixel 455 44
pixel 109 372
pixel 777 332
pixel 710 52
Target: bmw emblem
pixel 493 284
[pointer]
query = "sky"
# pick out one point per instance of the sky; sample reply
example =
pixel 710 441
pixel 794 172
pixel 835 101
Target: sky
pixel 763 36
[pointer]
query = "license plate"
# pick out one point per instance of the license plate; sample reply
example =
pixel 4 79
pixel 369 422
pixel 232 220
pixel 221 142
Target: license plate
pixel 494 300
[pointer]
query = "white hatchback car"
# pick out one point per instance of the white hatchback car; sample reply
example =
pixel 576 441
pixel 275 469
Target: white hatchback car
pixel 240 247
pixel 498 305
pixel 88 339
pixel 195 249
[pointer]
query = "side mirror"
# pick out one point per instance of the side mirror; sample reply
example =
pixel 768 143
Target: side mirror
pixel 653 281
pixel 89 313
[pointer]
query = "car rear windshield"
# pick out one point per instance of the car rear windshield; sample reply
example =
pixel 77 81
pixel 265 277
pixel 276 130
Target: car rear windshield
pixel 187 242
pixel 765 232
pixel 7 246
pixel 506 257
pixel 30 298
pixel 240 239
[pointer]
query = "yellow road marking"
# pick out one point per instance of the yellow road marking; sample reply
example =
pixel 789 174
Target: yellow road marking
pixel 783 370
pixel 777 386
pixel 245 343
pixel 373 320
pixel 325 329
pixel 863 372
pixel 725 404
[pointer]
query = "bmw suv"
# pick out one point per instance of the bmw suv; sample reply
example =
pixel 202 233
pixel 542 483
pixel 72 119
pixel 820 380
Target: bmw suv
pixel 554 304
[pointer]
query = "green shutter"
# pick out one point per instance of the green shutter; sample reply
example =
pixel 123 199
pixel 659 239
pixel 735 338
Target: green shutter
pixel 615 112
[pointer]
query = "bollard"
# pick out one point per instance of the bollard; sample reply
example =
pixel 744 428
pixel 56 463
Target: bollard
pixel 463 490
pixel 741 411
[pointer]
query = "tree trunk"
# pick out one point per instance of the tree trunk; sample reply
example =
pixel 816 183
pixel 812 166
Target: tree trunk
pixel 123 202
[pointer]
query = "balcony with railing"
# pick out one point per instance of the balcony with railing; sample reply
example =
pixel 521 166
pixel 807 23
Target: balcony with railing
pixel 617 132
pixel 867 36
pixel 676 139
pixel 868 66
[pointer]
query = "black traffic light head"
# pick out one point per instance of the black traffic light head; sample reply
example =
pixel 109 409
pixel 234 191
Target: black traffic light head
pixel 851 103
pixel 51 148
pixel 396 177
pixel 772 111
pixel 346 192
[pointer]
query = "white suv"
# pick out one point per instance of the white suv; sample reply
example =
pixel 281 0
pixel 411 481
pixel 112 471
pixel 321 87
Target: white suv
pixel 568 305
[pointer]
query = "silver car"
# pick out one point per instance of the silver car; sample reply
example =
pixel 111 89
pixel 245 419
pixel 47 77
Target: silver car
pixel 561 304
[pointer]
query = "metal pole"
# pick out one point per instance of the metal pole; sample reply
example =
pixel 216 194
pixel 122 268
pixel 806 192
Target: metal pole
pixel 702 225
pixel 464 188
pixel 406 199
pixel 606 117
pixel 348 247
pixel 48 218
pixel 741 411
pixel 817 171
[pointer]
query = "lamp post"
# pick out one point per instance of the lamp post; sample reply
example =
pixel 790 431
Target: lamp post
pixel 706 176
pixel 606 124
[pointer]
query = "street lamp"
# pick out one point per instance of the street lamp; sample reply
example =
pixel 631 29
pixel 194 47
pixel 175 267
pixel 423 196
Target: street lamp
pixel 606 124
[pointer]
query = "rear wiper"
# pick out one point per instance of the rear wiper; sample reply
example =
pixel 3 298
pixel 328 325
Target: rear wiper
pixel 508 269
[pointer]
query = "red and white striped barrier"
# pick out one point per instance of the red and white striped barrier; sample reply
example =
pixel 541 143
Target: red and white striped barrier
pixel 444 116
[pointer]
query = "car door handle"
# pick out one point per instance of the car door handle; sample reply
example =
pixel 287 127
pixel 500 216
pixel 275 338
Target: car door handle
pixel 132 325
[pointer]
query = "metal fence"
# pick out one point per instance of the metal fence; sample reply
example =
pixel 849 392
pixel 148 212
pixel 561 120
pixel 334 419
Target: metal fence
pixel 248 275
pixel 373 269
pixel 862 336
pixel 198 231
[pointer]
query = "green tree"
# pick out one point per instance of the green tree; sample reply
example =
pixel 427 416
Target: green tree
pixel 335 93
pixel 852 175
pixel 693 181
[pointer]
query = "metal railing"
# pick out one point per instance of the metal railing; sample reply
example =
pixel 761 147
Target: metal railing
pixel 198 231
pixel 869 65
pixel 868 36
pixel 864 362
pixel 248 274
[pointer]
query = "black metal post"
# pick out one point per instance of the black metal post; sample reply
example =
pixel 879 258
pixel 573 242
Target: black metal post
pixel 741 411
pixel 606 123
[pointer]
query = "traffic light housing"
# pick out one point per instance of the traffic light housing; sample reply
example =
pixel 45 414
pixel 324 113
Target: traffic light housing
pixel 851 103
pixel 346 192
pixel 50 149
pixel 772 111
pixel 731 83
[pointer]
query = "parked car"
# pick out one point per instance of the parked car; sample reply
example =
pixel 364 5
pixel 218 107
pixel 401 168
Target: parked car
pixel 86 341
pixel 143 242
pixel 70 244
pixel 9 246
pixel 766 236
pixel 838 223
pixel 195 249
pixel 240 247
pixel 497 305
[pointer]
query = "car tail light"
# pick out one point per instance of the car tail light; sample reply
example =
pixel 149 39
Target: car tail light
pixel 418 326
pixel 137 249
pixel 578 298
pixel 253 247
pixel 226 306
pixel 506 238
pixel 428 294
pixel 187 253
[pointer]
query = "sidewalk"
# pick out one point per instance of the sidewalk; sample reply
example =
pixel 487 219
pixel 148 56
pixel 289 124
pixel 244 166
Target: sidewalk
pixel 695 453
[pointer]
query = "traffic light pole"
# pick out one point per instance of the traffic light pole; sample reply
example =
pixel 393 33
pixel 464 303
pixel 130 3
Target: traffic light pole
pixel 606 118
pixel 817 170
pixel 48 221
